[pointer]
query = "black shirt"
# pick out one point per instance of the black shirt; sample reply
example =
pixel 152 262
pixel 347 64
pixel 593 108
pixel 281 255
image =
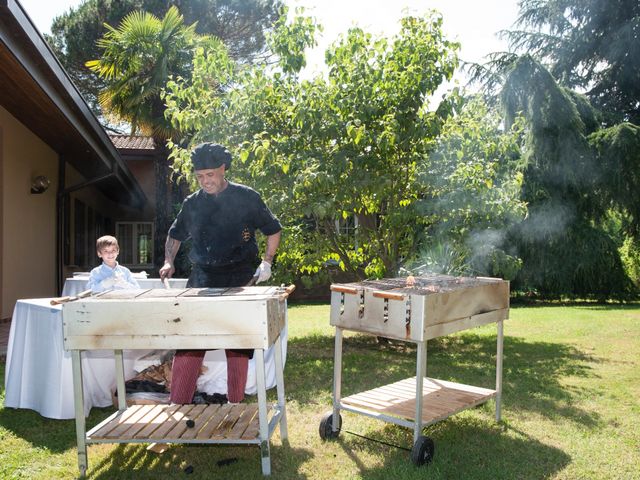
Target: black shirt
pixel 222 227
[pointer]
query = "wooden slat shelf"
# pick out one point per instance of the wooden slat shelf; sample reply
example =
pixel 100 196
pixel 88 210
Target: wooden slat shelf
pixel 168 423
pixel 440 399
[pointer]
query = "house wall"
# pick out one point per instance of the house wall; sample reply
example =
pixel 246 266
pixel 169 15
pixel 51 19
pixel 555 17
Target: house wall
pixel 98 204
pixel 28 221
pixel 28 239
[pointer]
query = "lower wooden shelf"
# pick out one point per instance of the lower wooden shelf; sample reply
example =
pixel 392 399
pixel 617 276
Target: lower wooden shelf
pixel 440 399
pixel 169 424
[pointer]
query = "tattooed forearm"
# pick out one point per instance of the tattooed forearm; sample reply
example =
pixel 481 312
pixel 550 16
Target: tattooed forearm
pixel 171 249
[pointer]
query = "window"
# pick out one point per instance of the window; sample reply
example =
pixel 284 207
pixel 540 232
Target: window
pixel 136 243
pixel 347 227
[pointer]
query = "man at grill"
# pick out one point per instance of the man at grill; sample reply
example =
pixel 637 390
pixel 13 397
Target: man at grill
pixel 221 219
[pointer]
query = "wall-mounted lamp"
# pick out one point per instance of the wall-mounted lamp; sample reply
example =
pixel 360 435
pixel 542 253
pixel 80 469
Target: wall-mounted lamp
pixel 40 184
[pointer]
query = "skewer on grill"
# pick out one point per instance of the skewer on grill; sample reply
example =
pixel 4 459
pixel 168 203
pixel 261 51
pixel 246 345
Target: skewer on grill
pixel 59 300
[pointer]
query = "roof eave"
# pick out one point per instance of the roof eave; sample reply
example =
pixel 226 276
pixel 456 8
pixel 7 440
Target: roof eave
pixel 31 50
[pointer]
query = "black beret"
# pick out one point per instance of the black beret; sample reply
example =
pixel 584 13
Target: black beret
pixel 210 155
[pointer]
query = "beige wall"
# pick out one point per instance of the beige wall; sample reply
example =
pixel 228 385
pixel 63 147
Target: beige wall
pixel 28 221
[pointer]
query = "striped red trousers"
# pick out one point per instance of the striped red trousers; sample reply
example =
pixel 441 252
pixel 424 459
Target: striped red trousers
pixel 186 370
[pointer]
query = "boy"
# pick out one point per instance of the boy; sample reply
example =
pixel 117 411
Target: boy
pixel 110 275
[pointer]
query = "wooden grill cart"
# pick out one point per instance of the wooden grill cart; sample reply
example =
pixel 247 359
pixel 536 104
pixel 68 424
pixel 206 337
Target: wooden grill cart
pixel 415 309
pixel 195 318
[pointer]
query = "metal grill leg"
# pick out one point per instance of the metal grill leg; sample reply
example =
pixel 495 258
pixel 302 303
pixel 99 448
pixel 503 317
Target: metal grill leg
pixel 78 398
pixel 262 412
pixel 337 380
pixel 280 388
pixel 421 370
pixel 499 355
pixel 122 392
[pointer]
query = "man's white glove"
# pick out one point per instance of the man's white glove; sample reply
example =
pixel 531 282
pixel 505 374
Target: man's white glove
pixel 263 272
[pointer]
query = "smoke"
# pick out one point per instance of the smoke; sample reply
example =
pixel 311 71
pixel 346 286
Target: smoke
pixel 481 246
pixel 547 221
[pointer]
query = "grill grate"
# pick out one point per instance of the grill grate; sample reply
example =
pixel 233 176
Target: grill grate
pixel 423 285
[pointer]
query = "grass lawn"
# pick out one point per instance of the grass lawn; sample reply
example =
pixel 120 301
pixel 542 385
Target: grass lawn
pixel 571 409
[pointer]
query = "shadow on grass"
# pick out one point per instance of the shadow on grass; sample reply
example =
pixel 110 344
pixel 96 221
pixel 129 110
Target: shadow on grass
pixel 464 448
pixel 532 379
pixel 128 461
pixel 54 435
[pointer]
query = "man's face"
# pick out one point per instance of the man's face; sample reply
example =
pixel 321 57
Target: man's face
pixel 211 180
pixel 109 255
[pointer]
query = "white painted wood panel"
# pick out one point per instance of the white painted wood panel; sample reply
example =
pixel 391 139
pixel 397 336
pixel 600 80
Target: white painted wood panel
pixel 158 320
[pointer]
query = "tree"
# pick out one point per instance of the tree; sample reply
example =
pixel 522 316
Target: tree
pixel 341 159
pixel 240 24
pixel 562 242
pixel 138 59
pixel 618 152
pixel 589 45
pixel 580 158
pixel 475 174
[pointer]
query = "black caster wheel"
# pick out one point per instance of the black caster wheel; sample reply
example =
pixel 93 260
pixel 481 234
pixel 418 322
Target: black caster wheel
pixel 422 451
pixel 326 428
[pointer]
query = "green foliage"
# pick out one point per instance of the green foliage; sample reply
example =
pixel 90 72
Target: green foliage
pixel 334 149
pixel 290 40
pixel 360 169
pixel 577 261
pixel 618 152
pixel 592 45
pixel 569 188
pixel 560 163
pixel 472 185
pixel 240 24
pixel 578 174
pixel 138 58
pixel 630 256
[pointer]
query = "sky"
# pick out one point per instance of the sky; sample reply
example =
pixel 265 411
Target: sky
pixel 473 23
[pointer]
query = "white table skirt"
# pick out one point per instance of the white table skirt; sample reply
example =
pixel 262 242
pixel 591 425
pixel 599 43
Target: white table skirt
pixel 38 372
pixel 75 285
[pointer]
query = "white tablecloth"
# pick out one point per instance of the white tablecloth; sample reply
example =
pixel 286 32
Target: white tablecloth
pixel 75 285
pixel 38 372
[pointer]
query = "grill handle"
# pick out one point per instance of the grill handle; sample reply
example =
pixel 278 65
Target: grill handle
pixel 388 295
pixel 343 289
pixel 287 291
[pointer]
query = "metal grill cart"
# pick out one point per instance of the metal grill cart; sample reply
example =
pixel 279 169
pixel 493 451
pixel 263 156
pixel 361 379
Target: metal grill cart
pixel 415 309
pixel 195 318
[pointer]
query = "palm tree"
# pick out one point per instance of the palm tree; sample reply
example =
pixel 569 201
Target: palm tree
pixel 139 57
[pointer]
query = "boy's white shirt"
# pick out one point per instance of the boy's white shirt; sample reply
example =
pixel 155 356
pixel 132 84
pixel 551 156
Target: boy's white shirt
pixel 105 277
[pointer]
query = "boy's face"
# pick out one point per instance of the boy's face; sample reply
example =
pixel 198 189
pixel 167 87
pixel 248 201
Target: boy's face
pixel 109 255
